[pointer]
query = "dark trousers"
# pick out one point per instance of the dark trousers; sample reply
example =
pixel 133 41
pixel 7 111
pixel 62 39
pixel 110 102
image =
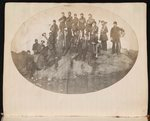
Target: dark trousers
pixel 54 37
pixel 88 33
pixel 69 32
pixel 104 45
pixel 82 32
pixel 116 46
pixel 62 32
pixel 83 54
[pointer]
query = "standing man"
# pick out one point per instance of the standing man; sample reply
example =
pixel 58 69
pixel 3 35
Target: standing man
pixel 62 25
pixel 94 32
pixel 94 37
pixel 30 65
pixel 89 23
pixel 51 47
pixel 42 46
pixel 54 30
pixel 36 47
pixel 84 48
pixel 75 22
pixel 68 36
pixel 69 24
pixel 115 35
pixel 75 30
pixel 51 43
pixel 82 22
pixel 103 35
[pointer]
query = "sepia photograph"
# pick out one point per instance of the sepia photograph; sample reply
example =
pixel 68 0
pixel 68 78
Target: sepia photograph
pixel 74 49
pixel 75 59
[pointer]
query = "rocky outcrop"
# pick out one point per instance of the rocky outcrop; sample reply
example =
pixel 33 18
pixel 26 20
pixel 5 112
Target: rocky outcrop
pixel 76 76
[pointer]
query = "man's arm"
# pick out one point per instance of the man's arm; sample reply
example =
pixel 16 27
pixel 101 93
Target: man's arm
pixel 57 29
pixel 33 47
pixel 111 32
pixel 60 19
pixel 106 29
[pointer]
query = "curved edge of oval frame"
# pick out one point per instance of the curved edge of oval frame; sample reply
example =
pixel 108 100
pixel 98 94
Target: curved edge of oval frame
pixel 68 5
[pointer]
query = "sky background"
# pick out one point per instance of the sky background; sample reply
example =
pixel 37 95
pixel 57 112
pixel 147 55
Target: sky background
pixel 33 28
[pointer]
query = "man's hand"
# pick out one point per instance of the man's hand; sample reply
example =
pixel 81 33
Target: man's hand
pixel 44 34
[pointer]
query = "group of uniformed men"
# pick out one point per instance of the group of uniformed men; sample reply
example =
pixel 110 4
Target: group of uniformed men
pixel 80 33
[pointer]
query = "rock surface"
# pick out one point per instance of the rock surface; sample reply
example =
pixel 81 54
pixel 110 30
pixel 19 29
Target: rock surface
pixel 82 77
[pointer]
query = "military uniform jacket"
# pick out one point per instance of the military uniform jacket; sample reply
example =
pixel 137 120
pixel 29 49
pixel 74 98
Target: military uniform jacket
pixel 115 33
pixel 42 46
pixel 50 42
pixel 103 35
pixel 36 47
pixel 94 34
pixel 29 61
pixel 94 30
pixel 62 21
pixel 75 22
pixel 89 23
pixel 69 22
pixel 54 29
pixel 82 22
